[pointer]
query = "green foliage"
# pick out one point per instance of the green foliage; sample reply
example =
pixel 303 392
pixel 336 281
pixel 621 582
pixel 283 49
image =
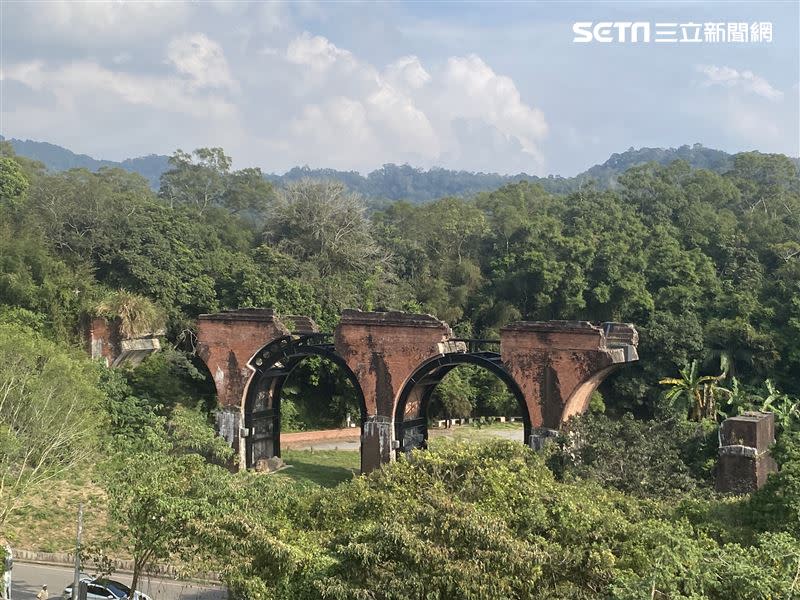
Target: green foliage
pixel 318 395
pixel 168 378
pixel 135 423
pixel 692 395
pixel 13 182
pixel 456 395
pixel 190 432
pixel 158 500
pixel 705 264
pixel 481 521
pixel 49 417
pixel 596 403
pixel 645 458
pixel 769 398
pixel 204 180
pixel 137 314
pixel 22 318
pixel 776 506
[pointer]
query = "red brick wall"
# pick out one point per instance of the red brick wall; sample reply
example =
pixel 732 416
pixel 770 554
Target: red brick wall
pixel 103 340
pixel 383 349
pixel 558 364
pixel 228 340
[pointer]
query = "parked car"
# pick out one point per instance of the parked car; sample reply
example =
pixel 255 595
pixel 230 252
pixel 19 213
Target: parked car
pixel 105 589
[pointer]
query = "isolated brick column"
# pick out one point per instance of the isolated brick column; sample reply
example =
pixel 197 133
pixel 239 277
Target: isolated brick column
pixel 105 341
pixel 744 459
pixel 383 349
pixel 226 342
pixel 558 364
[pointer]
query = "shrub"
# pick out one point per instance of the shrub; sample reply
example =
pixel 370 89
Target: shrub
pixel 483 521
pixel 656 458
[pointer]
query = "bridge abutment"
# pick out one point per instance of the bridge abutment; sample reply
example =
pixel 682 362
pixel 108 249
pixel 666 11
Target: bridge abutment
pixel 559 364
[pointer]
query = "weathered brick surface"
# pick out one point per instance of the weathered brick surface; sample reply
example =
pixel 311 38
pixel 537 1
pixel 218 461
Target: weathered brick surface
pixel 104 340
pixel 228 340
pixel 226 343
pixel 558 364
pixel 752 429
pixel 383 349
pixel 744 459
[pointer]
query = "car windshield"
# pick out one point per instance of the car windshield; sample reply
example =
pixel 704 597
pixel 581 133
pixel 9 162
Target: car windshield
pixel 115 587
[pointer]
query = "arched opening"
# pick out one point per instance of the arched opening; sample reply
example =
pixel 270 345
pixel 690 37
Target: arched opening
pixel 414 402
pixel 273 366
pixel 318 395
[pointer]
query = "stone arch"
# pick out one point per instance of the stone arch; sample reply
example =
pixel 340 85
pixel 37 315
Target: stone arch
pixel 410 417
pixel 272 365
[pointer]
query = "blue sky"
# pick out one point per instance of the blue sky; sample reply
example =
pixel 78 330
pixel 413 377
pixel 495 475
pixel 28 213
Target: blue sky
pixel 352 85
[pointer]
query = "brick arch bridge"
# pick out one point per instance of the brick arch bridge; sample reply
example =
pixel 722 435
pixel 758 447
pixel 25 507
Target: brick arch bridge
pixel 395 360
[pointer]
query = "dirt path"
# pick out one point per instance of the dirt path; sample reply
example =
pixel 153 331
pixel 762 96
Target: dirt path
pixel 348 439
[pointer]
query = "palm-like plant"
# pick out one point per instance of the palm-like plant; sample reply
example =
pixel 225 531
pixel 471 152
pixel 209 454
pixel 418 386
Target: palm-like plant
pixel 693 393
pixel 785 408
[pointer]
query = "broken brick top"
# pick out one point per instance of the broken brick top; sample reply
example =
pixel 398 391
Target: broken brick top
pixel 301 324
pixel 752 429
pixel 258 315
pixel 572 335
pixel 393 319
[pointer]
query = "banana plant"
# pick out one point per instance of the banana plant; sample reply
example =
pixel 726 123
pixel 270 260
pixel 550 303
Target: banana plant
pixel 693 393
pixel 785 408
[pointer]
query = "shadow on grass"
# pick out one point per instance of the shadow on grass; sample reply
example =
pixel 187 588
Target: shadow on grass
pixel 325 468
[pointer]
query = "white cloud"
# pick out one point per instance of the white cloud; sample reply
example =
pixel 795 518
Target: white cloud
pixel 201 59
pixel 746 81
pixel 405 112
pixel 326 105
pixel 87 80
pixel 477 92
pixel 407 71
pixel 316 52
pixel 97 23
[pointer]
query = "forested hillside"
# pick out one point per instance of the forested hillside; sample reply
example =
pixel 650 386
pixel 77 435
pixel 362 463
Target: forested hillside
pixel 706 264
pixel 404 182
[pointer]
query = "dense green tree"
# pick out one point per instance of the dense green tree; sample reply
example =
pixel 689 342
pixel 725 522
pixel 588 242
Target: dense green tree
pixel 13 182
pixel 204 179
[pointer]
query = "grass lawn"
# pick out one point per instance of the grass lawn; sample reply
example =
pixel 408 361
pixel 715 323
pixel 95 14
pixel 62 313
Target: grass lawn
pixel 47 520
pixel 327 468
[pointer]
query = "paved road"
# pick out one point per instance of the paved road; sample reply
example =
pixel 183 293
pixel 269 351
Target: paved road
pixel 27 579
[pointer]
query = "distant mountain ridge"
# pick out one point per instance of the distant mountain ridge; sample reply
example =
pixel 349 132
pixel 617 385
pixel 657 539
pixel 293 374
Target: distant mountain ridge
pixel 56 158
pixel 404 182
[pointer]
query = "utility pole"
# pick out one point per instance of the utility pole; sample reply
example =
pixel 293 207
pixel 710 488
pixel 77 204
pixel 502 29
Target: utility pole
pixel 76 582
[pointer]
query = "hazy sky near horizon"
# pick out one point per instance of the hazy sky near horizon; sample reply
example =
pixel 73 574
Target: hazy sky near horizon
pixel 353 85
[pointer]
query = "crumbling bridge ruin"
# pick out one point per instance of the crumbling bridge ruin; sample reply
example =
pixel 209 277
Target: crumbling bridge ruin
pixel 394 361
